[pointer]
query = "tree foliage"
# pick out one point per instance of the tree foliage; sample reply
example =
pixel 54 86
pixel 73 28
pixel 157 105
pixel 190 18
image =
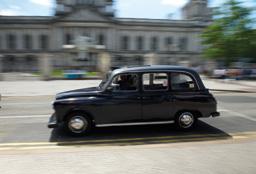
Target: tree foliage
pixel 231 36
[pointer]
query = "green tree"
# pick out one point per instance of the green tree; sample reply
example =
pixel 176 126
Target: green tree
pixel 231 35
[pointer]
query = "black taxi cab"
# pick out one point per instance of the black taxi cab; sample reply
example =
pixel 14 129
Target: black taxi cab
pixel 154 94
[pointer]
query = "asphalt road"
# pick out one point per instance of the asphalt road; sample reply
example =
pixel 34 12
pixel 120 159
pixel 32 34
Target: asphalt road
pixel 222 145
pixel 24 120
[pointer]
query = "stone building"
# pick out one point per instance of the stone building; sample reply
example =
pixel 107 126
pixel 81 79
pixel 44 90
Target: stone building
pixel 24 40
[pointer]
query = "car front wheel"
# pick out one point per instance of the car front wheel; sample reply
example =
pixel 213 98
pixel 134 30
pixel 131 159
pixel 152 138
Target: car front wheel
pixel 185 120
pixel 78 124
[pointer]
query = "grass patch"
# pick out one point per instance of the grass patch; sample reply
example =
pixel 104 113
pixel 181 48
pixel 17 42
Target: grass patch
pixel 60 73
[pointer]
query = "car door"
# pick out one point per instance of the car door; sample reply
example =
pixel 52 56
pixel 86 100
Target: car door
pixel 156 98
pixel 123 103
pixel 186 95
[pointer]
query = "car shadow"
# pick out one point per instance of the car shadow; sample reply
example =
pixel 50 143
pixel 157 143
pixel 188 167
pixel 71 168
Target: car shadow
pixel 138 135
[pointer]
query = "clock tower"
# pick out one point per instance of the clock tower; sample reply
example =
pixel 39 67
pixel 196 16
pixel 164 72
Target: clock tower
pixel 197 10
pixel 66 6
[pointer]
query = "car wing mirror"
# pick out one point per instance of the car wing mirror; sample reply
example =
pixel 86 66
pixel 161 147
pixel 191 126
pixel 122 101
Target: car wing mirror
pixel 109 89
pixel 112 87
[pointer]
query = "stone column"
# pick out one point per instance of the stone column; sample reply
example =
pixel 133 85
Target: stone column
pixel 151 59
pixel 45 66
pixel 104 62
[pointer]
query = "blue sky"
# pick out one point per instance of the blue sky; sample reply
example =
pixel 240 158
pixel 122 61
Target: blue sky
pixel 157 9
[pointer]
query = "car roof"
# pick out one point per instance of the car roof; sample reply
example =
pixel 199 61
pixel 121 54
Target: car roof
pixel 157 68
pixel 148 68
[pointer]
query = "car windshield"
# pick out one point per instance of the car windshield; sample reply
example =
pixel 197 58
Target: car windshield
pixel 105 79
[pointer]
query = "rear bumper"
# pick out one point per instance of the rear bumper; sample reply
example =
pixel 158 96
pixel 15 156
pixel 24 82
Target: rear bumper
pixel 215 114
pixel 53 122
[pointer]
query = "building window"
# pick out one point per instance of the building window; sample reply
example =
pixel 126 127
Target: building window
pixel 82 2
pixel 101 39
pixel 44 42
pixel 68 39
pixel 11 41
pixel 183 44
pixel 27 41
pixel 168 43
pixel 139 42
pixel 154 43
pixel 125 42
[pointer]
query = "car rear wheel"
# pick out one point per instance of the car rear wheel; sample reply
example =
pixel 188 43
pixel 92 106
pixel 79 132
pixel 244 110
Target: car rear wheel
pixel 185 120
pixel 78 124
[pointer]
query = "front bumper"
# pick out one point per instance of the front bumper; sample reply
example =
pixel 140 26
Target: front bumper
pixel 215 114
pixel 53 122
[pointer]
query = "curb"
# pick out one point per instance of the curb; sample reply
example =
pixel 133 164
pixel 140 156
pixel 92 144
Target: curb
pixel 237 91
pixel 234 83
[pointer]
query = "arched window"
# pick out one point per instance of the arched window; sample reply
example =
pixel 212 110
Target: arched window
pixel 125 43
pixel 68 39
pixel 183 44
pixel 140 43
pixel 44 42
pixel 11 41
pixel 27 41
pixel 101 39
pixel 154 43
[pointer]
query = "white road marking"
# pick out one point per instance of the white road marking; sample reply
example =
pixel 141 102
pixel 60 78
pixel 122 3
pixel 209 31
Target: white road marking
pixel 24 116
pixel 237 114
pixel 29 104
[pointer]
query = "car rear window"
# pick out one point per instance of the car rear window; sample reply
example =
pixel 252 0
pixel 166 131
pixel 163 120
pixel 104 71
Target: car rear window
pixel 182 82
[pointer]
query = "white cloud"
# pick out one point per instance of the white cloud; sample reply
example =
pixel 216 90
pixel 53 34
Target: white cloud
pixel 174 3
pixel 9 12
pixel 15 7
pixel 46 3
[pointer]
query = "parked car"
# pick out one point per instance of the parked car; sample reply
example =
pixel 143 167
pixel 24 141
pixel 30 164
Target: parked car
pixel 142 95
pixel 219 73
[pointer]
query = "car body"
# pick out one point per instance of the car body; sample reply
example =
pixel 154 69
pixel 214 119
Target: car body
pixel 145 94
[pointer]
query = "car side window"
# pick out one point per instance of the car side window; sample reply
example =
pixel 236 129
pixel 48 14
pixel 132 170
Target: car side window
pixel 182 82
pixel 125 82
pixel 155 81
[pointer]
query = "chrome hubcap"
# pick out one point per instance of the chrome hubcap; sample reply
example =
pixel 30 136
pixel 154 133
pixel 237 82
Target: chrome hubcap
pixel 186 120
pixel 77 124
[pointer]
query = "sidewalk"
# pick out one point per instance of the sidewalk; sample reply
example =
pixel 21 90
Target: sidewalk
pixel 37 88
pixel 230 85
pixel 206 158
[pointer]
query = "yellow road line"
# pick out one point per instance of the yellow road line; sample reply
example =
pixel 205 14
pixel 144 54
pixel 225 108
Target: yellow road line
pixel 113 140
pixel 109 144
pixel 128 141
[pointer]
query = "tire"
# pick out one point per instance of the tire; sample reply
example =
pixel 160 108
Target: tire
pixel 185 120
pixel 78 124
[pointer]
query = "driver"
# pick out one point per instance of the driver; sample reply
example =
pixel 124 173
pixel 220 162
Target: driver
pixel 124 82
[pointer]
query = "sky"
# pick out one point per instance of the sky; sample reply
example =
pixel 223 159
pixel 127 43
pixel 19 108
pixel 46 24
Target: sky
pixel 155 9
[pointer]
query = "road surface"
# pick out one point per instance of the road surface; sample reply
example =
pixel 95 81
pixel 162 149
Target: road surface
pixel 225 144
